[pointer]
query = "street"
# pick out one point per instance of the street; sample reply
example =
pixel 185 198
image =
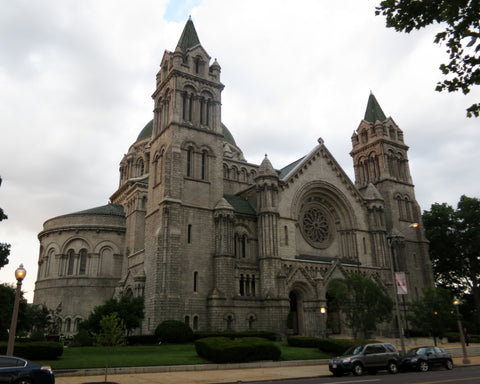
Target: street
pixel 465 375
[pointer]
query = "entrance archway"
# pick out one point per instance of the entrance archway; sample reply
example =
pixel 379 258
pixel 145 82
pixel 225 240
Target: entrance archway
pixel 296 315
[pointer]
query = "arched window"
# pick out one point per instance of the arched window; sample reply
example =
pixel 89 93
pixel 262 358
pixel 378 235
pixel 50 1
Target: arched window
pixel 189 162
pixel 70 261
pixel 195 281
pixel 68 325
pixel 140 167
pixel 285 231
pixel 76 324
pixel 195 322
pixel 204 165
pixel 242 286
pixel 83 262
pixel 244 246
pixel 187 320
pixel 189 233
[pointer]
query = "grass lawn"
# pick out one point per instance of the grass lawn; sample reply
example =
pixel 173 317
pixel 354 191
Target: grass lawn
pixel 167 354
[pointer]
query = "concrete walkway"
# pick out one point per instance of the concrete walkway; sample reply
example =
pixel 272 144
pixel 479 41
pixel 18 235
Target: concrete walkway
pixel 215 373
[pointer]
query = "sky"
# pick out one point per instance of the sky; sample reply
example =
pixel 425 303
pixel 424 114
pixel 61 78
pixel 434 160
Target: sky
pixel 76 79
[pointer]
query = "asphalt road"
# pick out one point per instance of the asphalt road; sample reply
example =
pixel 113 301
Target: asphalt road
pixel 465 375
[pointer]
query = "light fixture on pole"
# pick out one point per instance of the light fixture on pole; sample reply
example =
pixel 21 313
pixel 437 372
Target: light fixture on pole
pixel 20 273
pixel 466 360
pixel 323 311
pixel 394 283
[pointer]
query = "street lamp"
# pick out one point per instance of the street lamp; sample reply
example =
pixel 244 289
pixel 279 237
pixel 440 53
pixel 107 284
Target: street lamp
pixel 323 311
pixel 466 360
pixel 394 283
pixel 20 273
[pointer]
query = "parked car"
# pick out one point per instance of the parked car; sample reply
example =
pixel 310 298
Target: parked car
pixel 20 371
pixel 423 358
pixel 366 357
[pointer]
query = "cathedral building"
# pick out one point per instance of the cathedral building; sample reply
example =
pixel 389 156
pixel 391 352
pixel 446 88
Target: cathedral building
pixel 223 244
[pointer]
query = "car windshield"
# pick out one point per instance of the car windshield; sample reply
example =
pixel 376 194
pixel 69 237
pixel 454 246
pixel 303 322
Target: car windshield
pixel 416 351
pixel 355 350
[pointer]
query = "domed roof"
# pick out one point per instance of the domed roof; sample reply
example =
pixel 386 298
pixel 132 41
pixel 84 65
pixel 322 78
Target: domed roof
pixel 109 209
pixel 146 131
pixel 227 135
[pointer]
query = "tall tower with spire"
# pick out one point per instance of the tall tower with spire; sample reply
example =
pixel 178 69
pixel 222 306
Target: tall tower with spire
pixel 380 162
pixel 185 176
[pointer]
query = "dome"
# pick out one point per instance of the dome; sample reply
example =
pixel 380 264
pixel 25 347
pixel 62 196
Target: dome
pixel 227 135
pixel 146 131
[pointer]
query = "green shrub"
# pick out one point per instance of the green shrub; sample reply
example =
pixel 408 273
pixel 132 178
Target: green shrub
pixel 235 335
pixel 338 346
pixel 224 350
pixel 37 350
pixel 304 342
pixel 82 339
pixel 142 340
pixel 173 331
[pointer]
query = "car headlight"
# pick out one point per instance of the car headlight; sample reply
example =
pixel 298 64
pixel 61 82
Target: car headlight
pixel 414 360
pixel 347 360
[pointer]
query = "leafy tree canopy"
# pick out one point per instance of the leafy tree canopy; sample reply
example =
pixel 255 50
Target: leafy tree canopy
pixel 129 309
pixel 461 36
pixel 4 247
pixel 434 313
pixel 454 236
pixel 363 302
pixel 112 331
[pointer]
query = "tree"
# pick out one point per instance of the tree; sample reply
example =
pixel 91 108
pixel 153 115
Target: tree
pixel 129 309
pixel 454 237
pixel 461 36
pixel 30 317
pixel 112 331
pixel 363 302
pixel 4 247
pixel 434 312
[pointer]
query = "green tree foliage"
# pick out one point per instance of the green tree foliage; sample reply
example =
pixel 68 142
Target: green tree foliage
pixel 461 36
pixel 434 313
pixel 130 310
pixel 30 317
pixel 174 331
pixel 4 247
pixel 363 302
pixel 112 331
pixel 454 236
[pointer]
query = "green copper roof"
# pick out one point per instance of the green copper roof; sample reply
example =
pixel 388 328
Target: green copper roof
pixel 189 38
pixel 241 204
pixel 146 131
pixel 373 111
pixel 285 170
pixel 227 135
pixel 109 209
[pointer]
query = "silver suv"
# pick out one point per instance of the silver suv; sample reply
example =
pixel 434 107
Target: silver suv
pixel 366 357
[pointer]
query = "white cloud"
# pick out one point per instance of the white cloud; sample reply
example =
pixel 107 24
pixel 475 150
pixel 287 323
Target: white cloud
pixel 76 79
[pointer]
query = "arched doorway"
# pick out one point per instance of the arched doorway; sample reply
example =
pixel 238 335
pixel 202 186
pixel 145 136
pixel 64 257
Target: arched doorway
pixel 295 320
pixel 334 321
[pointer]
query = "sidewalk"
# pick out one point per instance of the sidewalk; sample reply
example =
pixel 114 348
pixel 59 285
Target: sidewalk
pixel 216 373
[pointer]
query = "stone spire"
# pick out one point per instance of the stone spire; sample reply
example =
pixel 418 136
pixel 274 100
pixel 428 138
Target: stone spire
pixel 374 111
pixel 189 37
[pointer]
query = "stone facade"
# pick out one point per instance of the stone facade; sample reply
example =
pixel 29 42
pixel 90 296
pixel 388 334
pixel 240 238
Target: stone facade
pixel 220 243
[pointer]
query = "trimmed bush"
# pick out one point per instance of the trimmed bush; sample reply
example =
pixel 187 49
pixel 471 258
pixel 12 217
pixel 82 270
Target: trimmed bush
pixel 173 331
pixel 304 342
pixel 46 350
pixel 224 350
pixel 141 340
pixel 82 339
pixel 235 335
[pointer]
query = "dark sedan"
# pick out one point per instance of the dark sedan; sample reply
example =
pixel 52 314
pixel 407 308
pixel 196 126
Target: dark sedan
pixel 20 371
pixel 423 358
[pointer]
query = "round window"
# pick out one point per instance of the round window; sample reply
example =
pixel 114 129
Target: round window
pixel 315 226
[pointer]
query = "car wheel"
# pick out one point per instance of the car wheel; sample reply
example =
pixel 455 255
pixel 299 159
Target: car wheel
pixel 24 381
pixel 449 364
pixel 423 366
pixel 357 369
pixel 392 367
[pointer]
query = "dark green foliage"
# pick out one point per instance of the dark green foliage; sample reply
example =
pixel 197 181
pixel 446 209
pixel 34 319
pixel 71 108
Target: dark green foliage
pixel 460 35
pixel 434 313
pixel 454 236
pixel 82 339
pixel 4 247
pixel 234 335
pixel 173 331
pixel 129 309
pixel 224 350
pixel 35 350
pixel 304 342
pixel 329 346
pixel 112 331
pixel 30 317
pixel 141 340
pixel 454 337
pixel 363 302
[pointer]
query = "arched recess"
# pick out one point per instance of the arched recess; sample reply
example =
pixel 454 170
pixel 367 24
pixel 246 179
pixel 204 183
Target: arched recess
pixel 298 294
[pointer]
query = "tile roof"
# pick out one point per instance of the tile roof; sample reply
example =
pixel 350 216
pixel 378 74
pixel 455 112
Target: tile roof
pixel 241 204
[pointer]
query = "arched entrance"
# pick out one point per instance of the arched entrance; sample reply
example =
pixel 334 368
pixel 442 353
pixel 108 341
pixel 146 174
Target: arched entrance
pixel 295 321
pixel 334 321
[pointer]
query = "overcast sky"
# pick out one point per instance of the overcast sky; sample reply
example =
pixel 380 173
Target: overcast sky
pixel 76 79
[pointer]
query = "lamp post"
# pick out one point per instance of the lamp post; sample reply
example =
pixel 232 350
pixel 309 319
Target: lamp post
pixel 394 282
pixel 466 360
pixel 323 311
pixel 20 273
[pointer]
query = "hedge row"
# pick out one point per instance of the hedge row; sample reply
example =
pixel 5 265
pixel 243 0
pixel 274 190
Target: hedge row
pixel 46 350
pixel 235 335
pixel 329 346
pixel 454 337
pixel 225 350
